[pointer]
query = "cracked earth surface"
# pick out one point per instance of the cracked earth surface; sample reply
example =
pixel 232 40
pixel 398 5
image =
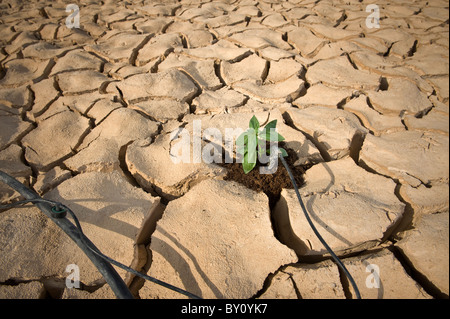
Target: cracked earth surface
pixel 86 116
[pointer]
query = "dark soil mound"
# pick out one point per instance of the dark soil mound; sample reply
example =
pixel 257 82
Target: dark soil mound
pixel 270 184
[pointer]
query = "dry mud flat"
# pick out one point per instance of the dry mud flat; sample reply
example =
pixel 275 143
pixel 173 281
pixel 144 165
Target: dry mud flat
pixel 86 116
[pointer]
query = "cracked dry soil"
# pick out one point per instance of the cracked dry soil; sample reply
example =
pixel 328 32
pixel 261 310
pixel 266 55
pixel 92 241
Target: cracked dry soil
pixel 86 116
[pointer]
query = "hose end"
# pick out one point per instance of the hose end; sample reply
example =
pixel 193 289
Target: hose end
pixel 58 212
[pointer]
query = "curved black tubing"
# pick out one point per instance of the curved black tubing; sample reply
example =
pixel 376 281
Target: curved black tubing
pixel 102 262
pixel 316 232
pixel 57 213
pixel 108 272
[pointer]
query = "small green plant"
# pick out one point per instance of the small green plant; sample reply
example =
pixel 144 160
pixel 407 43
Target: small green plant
pixel 252 143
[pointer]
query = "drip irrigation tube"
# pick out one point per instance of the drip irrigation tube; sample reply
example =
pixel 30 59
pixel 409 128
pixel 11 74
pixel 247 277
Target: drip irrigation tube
pixel 316 232
pixel 57 213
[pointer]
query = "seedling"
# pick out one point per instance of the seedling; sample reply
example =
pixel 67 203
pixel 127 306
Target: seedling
pixel 252 143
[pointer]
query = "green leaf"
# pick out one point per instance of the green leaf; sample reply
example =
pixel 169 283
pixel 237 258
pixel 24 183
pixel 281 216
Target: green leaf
pixel 265 135
pixel 242 142
pixel 252 143
pixel 271 124
pixel 283 152
pixel 241 138
pixel 279 137
pixel 254 123
pixel 247 164
pixel 261 146
pixel 250 155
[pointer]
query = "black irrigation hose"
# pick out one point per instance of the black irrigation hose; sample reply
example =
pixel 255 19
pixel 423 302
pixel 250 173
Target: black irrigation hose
pixel 131 270
pixel 336 258
pixel 103 263
pixel 108 272
pixel 57 212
